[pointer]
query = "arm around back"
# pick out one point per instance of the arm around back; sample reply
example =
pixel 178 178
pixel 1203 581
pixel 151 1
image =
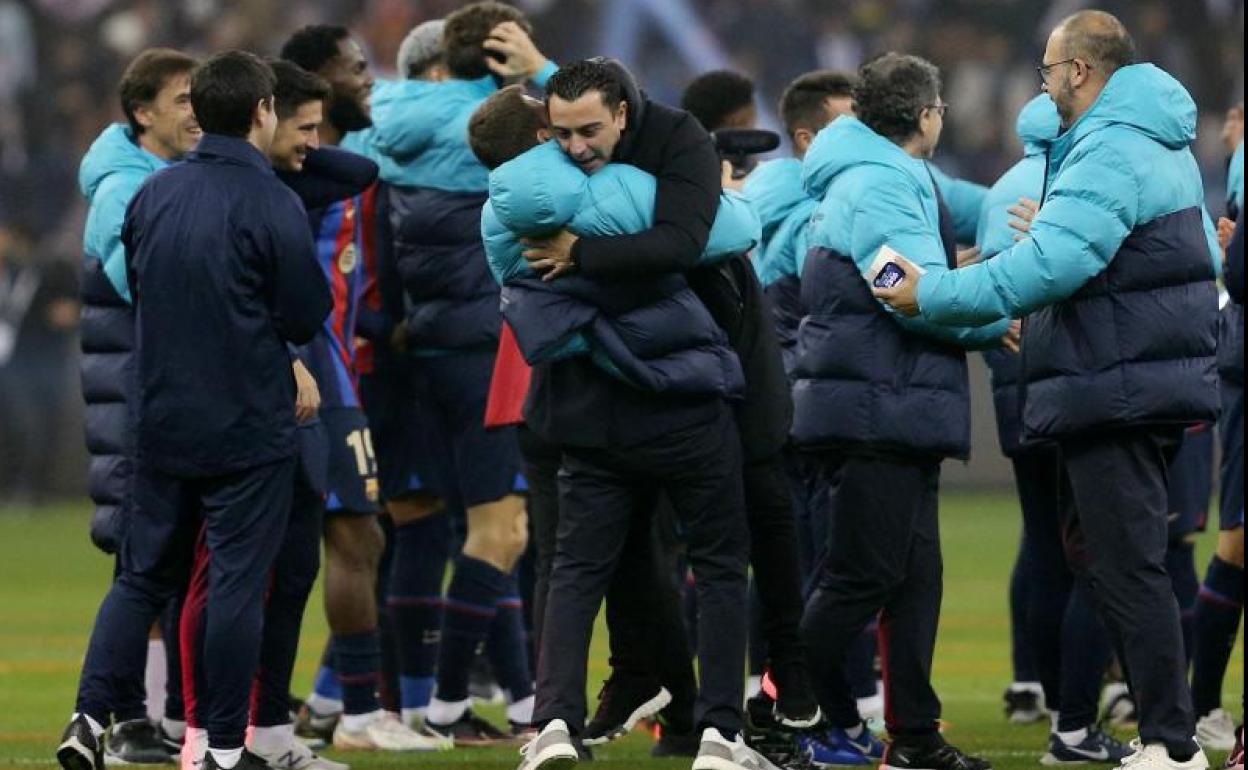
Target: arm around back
pixel 688 174
pixel 330 175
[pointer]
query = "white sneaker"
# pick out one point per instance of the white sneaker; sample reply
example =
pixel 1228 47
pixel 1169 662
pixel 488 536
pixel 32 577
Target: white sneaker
pixel 386 733
pixel 1155 757
pixel 1216 730
pixel 552 749
pixel 718 753
pixel 297 756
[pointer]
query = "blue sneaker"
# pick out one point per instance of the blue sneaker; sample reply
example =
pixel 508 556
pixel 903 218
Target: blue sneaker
pixel 835 748
pixel 867 743
pixel 1097 747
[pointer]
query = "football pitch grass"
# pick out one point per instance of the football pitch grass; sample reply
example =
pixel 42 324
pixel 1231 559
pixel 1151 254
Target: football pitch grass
pixel 52 580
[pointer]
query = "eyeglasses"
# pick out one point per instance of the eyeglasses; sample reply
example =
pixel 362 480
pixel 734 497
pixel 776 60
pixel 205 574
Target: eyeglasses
pixel 941 108
pixel 1044 69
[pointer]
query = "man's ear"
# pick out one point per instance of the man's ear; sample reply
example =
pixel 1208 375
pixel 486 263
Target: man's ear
pixel 802 139
pixel 543 135
pixel 263 106
pixel 143 115
pixel 621 114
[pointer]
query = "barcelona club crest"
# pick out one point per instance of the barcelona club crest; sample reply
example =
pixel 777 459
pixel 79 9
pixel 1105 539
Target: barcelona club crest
pixel 348 258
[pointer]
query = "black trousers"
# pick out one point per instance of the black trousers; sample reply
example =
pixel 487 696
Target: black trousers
pixel 1114 499
pixel 883 559
pixel 541 470
pixel 699 468
pixel 1067 640
pixel 777 578
pixel 643 610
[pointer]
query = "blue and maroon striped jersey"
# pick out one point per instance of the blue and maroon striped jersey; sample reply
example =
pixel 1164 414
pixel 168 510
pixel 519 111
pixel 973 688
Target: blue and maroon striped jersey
pixel 342 243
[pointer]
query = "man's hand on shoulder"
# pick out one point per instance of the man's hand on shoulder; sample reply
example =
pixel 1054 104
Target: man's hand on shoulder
pixel 551 256
pixel 522 60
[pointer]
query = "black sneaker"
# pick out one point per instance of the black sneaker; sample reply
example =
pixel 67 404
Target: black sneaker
pixel 676 745
pixel 780 747
pixel 622 703
pixel 135 742
pixel 314 728
pixel 760 712
pixel 248 761
pixel 928 753
pixel 471 730
pixel 1024 704
pixel 80 749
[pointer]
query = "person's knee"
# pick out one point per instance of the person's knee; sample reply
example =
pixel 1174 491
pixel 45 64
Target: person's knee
pixel 354 543
pixel 498 532
pixel 1231 546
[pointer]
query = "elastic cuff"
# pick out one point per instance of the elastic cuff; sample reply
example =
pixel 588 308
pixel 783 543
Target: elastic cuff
pixel 544 74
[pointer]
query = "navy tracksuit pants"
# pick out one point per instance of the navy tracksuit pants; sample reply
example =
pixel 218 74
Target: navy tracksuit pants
pixel 243 517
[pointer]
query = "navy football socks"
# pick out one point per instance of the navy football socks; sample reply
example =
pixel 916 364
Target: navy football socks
pixel 357 664
pixel 1218 607
pixel 506 645
pixel 471 605
pixel 415 602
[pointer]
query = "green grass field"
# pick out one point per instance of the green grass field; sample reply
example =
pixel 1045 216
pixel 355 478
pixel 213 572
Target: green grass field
pixel 51 581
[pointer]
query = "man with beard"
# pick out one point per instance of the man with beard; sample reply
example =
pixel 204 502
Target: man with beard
pixel 1120 251
pixel 353 535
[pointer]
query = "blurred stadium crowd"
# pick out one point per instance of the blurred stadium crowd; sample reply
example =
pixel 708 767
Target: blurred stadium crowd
pixel 60 61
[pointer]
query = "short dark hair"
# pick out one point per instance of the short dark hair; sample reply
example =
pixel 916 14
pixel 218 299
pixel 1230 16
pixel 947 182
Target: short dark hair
pixel 580 77
pixel 295 87
pixel 315 45
pixel 226 89
pixel 465 31
pixel 505 125
pixel 1100 39
pixel 713 96
pixel 145 76
pixel 802 103
pixel 892 91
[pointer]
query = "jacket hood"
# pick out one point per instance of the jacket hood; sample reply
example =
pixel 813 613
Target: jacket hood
pixel 846 143
pixel 114 151
pixel 636 105
pixel 775 189
pixel 1038 125
pixel 1146 99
